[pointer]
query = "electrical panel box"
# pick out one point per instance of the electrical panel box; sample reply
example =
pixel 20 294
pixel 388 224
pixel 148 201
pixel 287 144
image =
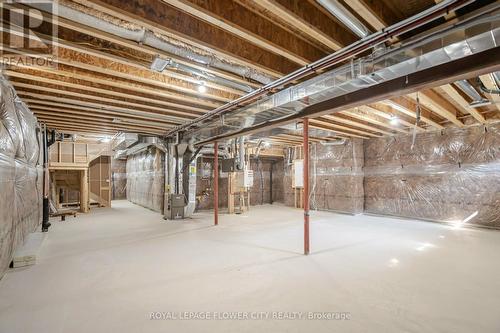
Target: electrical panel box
pixel 228 165
pixel 298 174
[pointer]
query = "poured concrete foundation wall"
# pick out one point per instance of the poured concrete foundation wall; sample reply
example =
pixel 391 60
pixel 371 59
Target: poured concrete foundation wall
pixel 21 175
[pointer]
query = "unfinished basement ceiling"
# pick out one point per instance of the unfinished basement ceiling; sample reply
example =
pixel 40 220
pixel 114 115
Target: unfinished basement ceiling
pixel 215 52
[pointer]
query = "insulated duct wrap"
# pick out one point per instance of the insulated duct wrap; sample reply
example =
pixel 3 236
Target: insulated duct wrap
pixel 21 175
pixel 146 179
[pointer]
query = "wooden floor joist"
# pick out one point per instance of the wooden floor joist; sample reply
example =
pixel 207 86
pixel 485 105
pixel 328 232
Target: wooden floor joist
pixel 99 102
pixel 339 119
pixel 321 121
pixel 95 93
pixel 238 20
pixel 92 112
pixel 171 22
pixel 409 108
pixel 464 104
pixel 119 94
pixel 437 104
pixel 63 114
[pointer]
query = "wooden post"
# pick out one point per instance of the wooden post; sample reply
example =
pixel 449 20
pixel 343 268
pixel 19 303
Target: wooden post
pixel 306 185
pixel 84 192
pixel 216 183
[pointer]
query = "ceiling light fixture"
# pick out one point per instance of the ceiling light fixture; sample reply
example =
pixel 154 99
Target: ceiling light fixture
pixel 394 120
pixel 202 88
pixel 105 139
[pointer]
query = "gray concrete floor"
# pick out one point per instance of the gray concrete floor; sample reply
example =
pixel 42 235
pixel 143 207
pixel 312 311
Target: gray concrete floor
pixel 109 270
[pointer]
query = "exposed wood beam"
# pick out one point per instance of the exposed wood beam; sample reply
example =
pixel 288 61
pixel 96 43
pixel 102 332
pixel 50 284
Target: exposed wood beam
pixel 438 105
pixel 181 115
pixel 238 20
pixel 78 130
pixel 308 19
pixel 327 126
pixel 383 114
pixel 68 82
pixel 375 12
pixel 99 91
pixel 345 128
pixel 462 102
pixel 71 54
pixel 89 134
pixel 65 108
pixel 109 129
pixel 63 114
pixel 126 85
pixel 357 124
pixel 101 122
pixel 366 113
pixel 409 108
pixel 170 21
pixel 71 122
pixel 153 52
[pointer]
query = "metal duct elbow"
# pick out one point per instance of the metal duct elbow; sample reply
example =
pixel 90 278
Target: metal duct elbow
pixel 496 77
pixel 467 88
pixel 344 16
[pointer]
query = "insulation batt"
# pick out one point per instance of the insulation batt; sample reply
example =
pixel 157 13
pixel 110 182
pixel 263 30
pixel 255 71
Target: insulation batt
pixel 119 175
pixel 448 176
pixel 146 179
pixel 21 173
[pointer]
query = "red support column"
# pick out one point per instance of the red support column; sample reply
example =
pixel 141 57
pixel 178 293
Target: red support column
pixel 306 185
pixel 216 183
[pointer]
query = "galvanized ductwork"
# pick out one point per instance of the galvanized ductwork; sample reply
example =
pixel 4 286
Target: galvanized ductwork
pixel 474 34
pixel 477 99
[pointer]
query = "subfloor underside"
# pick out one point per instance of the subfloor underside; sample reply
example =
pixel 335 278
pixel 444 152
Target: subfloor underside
pixel 110 270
